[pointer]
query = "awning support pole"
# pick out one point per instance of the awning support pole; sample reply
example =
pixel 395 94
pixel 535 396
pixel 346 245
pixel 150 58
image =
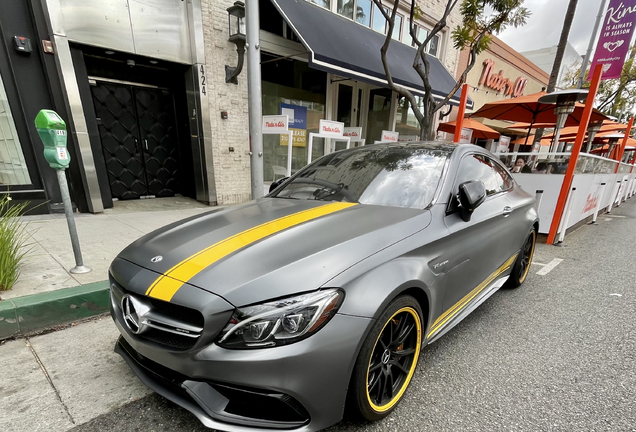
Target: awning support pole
pixel 576 149
pixel 460 114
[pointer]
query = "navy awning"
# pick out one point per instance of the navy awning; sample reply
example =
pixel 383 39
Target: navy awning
pixel 343 47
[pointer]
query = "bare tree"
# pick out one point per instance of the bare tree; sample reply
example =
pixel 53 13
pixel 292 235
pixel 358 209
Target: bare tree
pixel 481 19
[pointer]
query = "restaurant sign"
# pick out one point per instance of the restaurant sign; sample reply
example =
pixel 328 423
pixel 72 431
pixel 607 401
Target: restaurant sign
pixel 331 129
pixel 497 81
pixel 389 136
pixel 274 124
pixel 616 34
pixel 355 133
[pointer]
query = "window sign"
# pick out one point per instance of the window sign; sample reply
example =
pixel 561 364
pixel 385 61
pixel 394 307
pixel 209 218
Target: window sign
pixel 275 124
pixel 466 136
pixel 354 133
pixel 331 129
pixel 389 136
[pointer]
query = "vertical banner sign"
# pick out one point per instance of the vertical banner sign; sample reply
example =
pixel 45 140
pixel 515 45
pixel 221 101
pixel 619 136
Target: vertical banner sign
pixel 616 34
pixel 297 124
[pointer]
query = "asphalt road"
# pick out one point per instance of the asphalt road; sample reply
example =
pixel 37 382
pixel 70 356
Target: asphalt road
pixel 557 354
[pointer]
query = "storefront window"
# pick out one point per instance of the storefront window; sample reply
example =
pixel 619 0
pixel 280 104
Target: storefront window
pixel 363 12
pixel 433 45
pixel 13 168
pixel 406 123
pixel 397 27
pixel 379 22
pixel 407 39
pixel 291 87
pixel 346 7
pixel 323 3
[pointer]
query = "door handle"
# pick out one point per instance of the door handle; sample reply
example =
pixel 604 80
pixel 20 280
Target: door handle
pixel 136 145
pixel 146 144
pixel 506 211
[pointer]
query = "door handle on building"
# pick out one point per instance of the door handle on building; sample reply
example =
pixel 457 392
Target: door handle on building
pixel 136 145
pixel 506 211
pixel 146 144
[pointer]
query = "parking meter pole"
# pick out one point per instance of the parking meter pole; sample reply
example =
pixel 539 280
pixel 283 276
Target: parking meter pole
pixel 52 131
pixel 70 220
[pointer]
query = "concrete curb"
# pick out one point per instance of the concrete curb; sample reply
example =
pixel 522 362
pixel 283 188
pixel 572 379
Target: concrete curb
pixel 22 315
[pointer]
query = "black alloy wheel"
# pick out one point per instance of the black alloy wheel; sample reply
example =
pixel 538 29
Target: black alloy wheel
pixel 388 360
pixel 521 267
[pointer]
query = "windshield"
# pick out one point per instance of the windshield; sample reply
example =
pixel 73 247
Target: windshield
pixel 398 176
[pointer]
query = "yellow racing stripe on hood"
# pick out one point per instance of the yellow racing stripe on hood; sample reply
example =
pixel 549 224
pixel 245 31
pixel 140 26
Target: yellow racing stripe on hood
pixel 165 287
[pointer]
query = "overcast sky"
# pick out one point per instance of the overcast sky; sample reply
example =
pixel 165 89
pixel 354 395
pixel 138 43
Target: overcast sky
pixel 543 28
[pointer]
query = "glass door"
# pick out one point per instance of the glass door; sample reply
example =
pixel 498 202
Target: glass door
pixel 349 107
pixel 379 116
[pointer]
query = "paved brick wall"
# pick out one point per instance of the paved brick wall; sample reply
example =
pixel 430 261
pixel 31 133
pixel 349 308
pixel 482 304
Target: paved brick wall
pixel 231 169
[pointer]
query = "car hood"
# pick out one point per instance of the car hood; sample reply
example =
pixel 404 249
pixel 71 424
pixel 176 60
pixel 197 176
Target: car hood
pixel 269 248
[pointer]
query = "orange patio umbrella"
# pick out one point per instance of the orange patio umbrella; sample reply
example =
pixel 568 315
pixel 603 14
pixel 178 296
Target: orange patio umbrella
pixel 480 130
pixel 523 125
pixel 528 109
pixel 607 127
pixel 530 140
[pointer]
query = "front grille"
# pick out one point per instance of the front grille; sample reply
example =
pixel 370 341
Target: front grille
pixel 169 340
pixel 160 323
pixel 177 312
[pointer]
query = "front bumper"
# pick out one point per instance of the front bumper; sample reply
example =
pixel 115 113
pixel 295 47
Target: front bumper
pixel 297 387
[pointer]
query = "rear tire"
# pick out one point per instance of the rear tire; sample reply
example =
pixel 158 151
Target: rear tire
pixel 521 267
pixel 387 360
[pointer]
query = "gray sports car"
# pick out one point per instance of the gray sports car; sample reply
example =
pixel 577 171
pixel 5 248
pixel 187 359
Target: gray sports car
pixel 282 312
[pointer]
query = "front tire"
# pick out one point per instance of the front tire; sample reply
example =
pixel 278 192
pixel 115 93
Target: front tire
pixel 387 360
pixel 521 268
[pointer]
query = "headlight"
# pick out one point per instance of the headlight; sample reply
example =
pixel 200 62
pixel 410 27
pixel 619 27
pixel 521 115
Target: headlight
pixel 280 322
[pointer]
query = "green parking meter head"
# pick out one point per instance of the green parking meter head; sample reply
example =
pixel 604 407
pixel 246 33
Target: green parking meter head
pixel 52 131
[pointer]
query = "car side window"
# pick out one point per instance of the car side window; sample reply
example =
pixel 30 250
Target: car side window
pixel 478 167
pixel 504 179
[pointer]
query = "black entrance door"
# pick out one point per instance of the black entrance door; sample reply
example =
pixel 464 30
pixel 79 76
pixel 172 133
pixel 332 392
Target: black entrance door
pixel 139 140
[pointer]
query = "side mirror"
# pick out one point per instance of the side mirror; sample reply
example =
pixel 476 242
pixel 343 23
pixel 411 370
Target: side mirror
pixel 277 183
pixel 471 195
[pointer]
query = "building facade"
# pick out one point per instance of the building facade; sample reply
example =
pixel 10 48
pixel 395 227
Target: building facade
pixel 149 113
pixel 544 58
pixel 500 72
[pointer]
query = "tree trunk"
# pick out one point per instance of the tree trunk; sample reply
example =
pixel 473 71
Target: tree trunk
pixel 565 33
pixel 558 59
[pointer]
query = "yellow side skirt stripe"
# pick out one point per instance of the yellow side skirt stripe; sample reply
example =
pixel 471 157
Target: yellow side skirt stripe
pixel 165 287
pixel 437 325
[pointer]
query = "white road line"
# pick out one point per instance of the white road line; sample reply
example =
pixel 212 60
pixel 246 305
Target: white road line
pixel 537 263
pixel 615 216
pixel 549 267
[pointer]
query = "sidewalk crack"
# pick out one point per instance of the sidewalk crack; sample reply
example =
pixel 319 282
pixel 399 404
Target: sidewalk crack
pixel 48 378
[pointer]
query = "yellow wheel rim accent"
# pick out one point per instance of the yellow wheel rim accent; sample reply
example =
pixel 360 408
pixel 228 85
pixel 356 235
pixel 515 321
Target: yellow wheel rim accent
pixel 525 273
pixel 405 384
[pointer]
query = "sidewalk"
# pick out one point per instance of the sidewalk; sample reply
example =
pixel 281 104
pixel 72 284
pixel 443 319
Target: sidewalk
pixel 102 237
pixel 46 294
pixel 57 381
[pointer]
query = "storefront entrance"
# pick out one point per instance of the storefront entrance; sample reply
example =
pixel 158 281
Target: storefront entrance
pixel 139 139
pixel 362 105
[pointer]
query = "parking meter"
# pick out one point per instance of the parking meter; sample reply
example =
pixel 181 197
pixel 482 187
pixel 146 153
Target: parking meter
pixel 52 131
